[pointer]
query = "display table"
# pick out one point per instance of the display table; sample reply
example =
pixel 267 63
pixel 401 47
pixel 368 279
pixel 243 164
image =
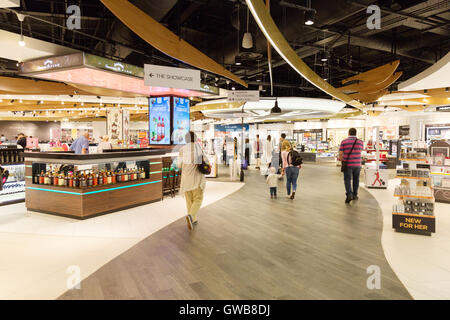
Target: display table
pixel 13 190
pixel 83 186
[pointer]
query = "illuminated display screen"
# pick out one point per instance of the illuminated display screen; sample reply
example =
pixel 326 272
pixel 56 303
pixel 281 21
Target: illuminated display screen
pixel 159 120
pixel 180 120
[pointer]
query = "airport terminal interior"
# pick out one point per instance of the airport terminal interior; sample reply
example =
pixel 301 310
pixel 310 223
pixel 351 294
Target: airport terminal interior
pixel 225 150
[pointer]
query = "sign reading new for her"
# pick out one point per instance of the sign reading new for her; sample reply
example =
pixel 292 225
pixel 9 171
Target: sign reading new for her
pixel 169 77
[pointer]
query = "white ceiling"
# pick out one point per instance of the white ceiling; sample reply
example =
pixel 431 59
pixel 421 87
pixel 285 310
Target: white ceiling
pixel 33 49
pixel 436 76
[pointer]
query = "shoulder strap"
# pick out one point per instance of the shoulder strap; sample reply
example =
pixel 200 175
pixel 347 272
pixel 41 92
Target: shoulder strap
pixel 351 150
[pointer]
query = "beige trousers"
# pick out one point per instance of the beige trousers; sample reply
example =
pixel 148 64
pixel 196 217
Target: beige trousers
pixel 194 199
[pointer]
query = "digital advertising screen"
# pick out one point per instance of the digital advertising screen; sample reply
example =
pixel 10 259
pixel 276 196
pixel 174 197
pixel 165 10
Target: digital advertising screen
pixel 180 119
pixel 159 120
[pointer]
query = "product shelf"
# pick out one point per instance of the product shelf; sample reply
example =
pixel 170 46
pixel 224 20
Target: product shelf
pixel 415 178
pixel 414 215
pixel 415 197
pixel 401 159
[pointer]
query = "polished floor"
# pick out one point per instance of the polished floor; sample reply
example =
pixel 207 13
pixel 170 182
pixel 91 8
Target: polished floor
pixel 248 246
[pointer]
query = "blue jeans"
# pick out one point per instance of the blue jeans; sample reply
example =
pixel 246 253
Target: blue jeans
pixel 273 191
pixel 349 174
pixel 291 178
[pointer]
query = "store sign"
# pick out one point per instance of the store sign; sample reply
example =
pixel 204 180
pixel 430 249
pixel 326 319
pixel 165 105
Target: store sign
pixel 227 128
pixel 414 223
pixel 111 65
pixel 169 77
pixel 443 109
pixel 52 63
pixel 209 89
pixel 243 96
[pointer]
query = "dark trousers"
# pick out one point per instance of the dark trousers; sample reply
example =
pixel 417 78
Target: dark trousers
pixel 273 191
pixel 349 174
pixel 247 155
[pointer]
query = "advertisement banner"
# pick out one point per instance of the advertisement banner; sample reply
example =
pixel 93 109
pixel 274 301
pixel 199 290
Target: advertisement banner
pixel 159 120
pixel 180 120
pixel 221 130
pixel 52 63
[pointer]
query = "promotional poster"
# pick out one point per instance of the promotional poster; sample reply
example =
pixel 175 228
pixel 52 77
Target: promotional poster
pixel 180 120
pixel 159 120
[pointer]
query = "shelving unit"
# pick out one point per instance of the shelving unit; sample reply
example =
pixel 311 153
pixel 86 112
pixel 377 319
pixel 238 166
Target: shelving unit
pixel 414 210
pixel 440 170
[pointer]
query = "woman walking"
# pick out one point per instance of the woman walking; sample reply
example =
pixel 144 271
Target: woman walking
pixel 288 169
pixel 268 149
pixel 192 180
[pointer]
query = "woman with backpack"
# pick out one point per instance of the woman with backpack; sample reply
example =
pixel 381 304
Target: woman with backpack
pixel 291 167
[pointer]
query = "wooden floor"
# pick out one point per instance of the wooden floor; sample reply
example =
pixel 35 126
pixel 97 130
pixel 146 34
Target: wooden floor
pixel 248 246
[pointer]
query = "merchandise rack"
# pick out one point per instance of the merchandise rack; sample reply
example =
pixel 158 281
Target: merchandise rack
pixel 422 220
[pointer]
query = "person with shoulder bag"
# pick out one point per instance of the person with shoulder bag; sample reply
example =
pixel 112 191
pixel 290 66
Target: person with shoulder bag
pixel 194 166
pixel 350 157
pixel 291 167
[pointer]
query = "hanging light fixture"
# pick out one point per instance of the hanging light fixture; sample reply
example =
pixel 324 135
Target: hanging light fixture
pixel 247 40
pixel 309 15
pixel 21 17
pixel 276 109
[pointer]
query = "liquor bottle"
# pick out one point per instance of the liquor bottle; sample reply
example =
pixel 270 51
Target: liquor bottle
pixel 109 178
pixel 76 180
pixel 142 174
pixel 47 178
pixel 71 184
pixel 163 131
pixel 52 178
pixel 100 179
pixel 83 182
pixel 36 178
pixel 113 178
pixel 66 181
pixel 61 180
pixel 95 180
pixel 125 175
pixel 41 178
pixel 89 180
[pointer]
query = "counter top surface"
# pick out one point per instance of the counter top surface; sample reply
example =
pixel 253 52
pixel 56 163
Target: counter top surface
pixel 106 156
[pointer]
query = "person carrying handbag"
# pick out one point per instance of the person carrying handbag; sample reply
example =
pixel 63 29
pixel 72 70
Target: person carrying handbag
pixel 192 163
pixel 350 157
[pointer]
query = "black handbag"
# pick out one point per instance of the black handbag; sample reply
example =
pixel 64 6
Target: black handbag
pixel 344 163
pixel 204 167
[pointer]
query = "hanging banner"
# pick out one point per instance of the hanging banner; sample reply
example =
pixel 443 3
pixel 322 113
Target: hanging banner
pixel 243 96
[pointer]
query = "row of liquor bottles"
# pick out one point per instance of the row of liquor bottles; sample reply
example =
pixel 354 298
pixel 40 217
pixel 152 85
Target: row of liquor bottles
pixel 11 156
pixel 89 178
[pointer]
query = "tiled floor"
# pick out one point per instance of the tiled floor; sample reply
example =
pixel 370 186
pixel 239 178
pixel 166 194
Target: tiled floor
pixel 36 250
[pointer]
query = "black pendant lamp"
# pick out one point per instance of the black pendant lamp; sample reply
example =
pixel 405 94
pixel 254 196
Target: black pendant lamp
pixel 276 109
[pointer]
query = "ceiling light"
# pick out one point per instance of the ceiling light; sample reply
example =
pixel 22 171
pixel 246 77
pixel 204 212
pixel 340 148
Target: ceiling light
pixel 82 103
pixel 62 102
pixel 276 109
pixel 20 101
pixel 247 41
pixel 309 18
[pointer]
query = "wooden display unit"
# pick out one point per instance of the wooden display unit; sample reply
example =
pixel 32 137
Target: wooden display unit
pixel 86 202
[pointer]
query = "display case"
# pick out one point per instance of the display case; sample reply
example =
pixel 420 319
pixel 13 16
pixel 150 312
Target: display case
pixel 413 211
pixel 83 186
pixel 12 183
pixel 440 170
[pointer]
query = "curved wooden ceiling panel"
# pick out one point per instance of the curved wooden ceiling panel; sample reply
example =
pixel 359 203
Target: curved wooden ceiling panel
pixel 279 42
pixel 376 75
pixel 368 97
pixel 366 87
pixel 165 40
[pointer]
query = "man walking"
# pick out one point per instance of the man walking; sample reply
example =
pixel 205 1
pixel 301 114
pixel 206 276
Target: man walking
pixel 257 147
pixel 350 157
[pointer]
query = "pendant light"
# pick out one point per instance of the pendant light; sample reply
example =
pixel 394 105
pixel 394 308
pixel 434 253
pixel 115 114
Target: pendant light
pixel 247 40
pixel 276 109
pixel 21 17
pixel 309 15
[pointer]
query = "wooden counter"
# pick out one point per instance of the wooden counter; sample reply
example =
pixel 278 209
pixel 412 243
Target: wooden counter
pixel 81 203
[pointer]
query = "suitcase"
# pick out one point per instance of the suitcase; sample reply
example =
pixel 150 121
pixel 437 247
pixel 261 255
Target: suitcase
pixel 245 165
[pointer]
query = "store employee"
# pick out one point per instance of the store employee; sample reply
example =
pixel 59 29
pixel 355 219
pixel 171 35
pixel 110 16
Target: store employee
pixel 81 144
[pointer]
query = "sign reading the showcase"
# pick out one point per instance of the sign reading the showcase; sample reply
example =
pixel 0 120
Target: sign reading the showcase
pixel 159 120
pixel 243 96
pixel 169 77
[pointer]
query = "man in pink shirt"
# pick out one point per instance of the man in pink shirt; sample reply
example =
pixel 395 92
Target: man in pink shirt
pixel 350 156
